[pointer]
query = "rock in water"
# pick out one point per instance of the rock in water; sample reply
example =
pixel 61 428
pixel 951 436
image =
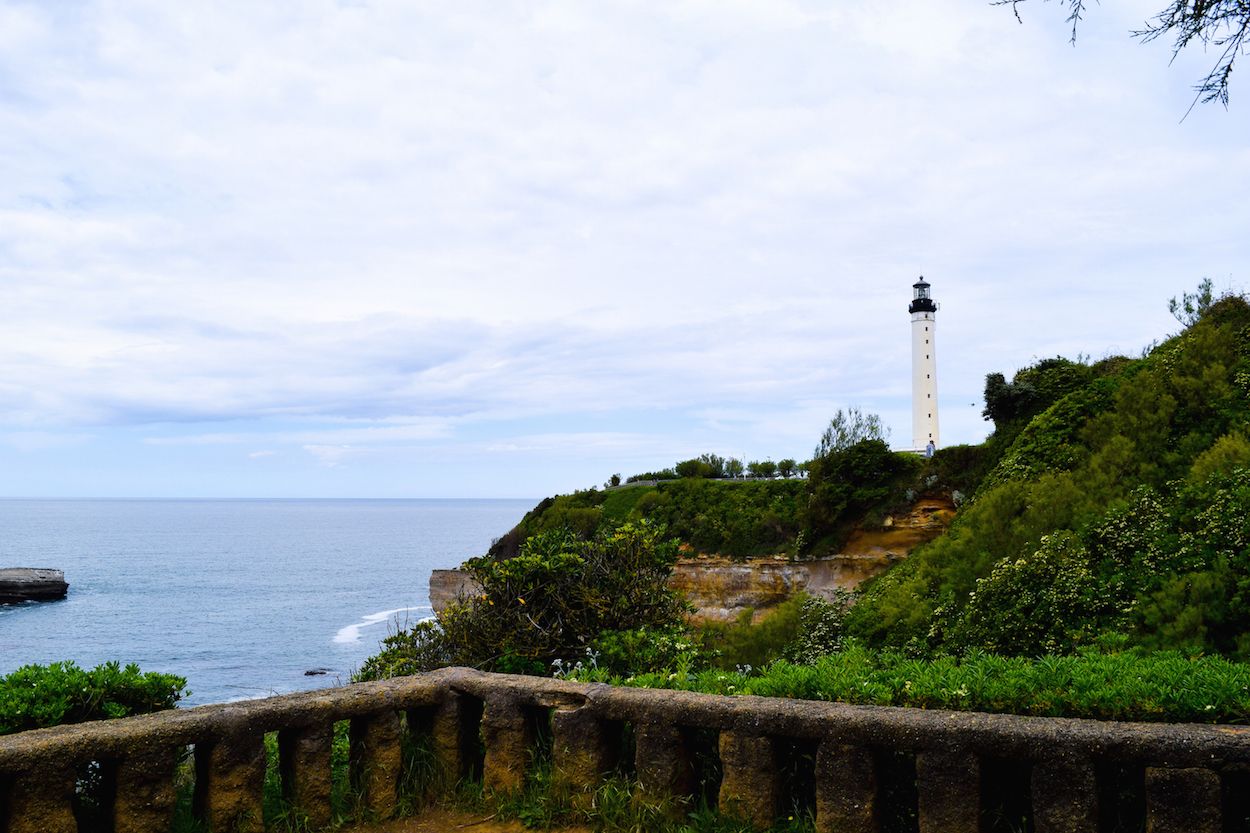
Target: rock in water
pixel 31 584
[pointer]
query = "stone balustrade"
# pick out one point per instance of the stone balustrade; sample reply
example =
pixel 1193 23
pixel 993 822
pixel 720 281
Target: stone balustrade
pixel 856 768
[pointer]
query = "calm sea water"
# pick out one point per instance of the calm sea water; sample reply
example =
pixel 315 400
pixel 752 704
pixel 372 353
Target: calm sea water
pixel 241 597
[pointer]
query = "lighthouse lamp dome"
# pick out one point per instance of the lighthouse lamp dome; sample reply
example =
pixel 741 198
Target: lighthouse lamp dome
pixel 922 301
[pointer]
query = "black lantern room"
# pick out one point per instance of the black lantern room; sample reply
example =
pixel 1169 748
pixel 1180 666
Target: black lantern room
pixel 922 302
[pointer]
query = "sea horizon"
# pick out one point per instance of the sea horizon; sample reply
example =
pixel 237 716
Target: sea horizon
pixel 242 596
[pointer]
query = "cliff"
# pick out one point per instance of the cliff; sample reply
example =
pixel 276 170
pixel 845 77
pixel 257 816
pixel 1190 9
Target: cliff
pixel 721 588
pixel 31 584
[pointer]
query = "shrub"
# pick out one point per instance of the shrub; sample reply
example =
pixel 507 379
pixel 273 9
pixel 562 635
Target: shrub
pixel 747 642
pixel 37 696
pixel 559 597
pixel 735 519
pixel 1165 686
pixel 844 483
pixel 821 628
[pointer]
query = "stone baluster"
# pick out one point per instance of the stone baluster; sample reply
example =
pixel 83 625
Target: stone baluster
pixel 1064 792
pixel 377 761
pixel 846 789
pixel 145 795
pixel 662 760
pixel 582 748
pixel 750 788
pixel 41 801
pixel 454 729
pixel 948 785
pixel 304 755
pixel 508 738
pixel 1182 800
pixel 230 781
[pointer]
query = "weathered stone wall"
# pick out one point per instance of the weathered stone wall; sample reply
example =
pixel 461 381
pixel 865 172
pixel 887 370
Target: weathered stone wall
pixel 848 756
pixel 721 589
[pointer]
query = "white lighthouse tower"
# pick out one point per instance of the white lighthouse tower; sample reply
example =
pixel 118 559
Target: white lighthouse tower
pixel 924 406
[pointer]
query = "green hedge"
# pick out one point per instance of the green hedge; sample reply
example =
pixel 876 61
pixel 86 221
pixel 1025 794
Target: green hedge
pixel 37 696
pixel 1165 686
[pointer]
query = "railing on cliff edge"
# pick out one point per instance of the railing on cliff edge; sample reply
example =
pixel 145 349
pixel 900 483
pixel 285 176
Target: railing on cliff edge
pixel 1064 774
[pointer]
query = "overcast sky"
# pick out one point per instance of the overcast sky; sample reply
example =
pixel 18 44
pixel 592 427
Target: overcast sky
pixel 460 249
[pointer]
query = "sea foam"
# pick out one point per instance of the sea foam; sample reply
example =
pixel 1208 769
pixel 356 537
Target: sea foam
pixel 351 633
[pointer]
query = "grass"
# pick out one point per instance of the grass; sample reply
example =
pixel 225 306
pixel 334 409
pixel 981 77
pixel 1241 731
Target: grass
pixel 615 807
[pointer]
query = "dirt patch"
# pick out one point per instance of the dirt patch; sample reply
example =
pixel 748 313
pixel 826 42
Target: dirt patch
pixel 444 820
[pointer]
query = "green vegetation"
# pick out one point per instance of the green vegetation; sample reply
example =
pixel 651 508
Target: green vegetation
pixel 561 599
pixel 1163 686
pixel 38 696
pixel 852 475
pixel 743 643
pixel 738 519
pixel 847 484
pixel 1116 511
pixel 615 807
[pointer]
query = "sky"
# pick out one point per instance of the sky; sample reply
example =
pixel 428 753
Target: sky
pixel 506 249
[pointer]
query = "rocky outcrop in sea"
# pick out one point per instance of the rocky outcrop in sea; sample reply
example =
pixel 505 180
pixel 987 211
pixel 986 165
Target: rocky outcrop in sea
pixel 31 584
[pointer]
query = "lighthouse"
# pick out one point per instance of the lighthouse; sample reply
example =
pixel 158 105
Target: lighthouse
pixel 924 406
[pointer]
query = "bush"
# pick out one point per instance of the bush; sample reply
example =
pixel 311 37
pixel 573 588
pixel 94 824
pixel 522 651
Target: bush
pixel 821 628
pixel 735 519
pixel 1166 686
pixel 960 467
pixel 558 598
pixel 846 482
pixel 37 696
pixel 746 642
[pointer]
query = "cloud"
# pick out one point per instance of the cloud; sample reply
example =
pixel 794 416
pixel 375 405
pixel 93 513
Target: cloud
pixel 332 456
pixel 361 226
pixel 35 441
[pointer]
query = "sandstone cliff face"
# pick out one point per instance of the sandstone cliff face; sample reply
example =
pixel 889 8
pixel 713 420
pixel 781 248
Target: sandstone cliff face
pixel 446 586
pixel 721 589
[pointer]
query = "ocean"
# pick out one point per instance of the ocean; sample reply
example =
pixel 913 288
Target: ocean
pixel 241 597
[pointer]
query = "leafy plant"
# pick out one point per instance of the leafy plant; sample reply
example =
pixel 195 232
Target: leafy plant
pixel 559 597
pixel 37 696
pixel 1130 685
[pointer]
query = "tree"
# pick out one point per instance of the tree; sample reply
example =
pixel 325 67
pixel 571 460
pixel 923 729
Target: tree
pixel 848 428
pixel 1191 307
pixel 768 469
pixel 715 464
pixel 786 467
pixel 613 481
pixel 690 468
pixel 1222 24
pixel 1032 390
pixel 733 467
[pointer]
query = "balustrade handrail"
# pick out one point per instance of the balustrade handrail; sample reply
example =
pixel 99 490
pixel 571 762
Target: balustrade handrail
pixel 467 710
pixel 901 727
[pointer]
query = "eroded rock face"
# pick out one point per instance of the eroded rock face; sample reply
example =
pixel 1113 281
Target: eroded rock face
pixel 31 584
pixel 722 588
pixel 446 586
